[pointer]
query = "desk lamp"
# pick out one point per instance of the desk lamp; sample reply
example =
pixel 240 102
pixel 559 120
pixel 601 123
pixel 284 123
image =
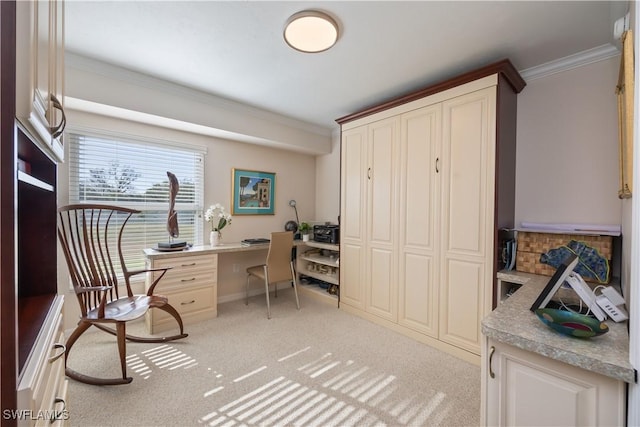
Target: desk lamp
pixel 291 225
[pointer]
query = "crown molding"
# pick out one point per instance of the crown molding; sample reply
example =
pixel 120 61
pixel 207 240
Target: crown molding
pixel 570 62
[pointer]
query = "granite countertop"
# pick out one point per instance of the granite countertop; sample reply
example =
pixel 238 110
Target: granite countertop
pixel 513 323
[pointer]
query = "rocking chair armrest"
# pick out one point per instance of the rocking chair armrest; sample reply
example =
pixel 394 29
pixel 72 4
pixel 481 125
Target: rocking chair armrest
pixel 155 282
pixel 148 270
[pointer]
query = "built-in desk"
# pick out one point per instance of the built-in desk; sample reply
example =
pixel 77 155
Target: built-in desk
pixel 192 283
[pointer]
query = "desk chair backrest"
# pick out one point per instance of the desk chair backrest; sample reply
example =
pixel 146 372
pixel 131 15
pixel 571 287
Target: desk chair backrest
pixel 279 256
pixel 91 239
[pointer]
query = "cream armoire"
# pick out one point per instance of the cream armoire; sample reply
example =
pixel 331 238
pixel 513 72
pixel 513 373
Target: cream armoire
pixel 427 180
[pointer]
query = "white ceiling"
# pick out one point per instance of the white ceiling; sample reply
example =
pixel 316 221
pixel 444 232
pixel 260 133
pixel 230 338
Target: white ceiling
pixel 235 50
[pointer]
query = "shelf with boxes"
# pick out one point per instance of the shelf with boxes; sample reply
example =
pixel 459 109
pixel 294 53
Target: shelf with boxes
pixel 317 268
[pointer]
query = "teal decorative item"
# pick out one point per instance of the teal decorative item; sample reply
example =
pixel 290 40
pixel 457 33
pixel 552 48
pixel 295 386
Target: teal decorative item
pixel 572 324
pixel 592 265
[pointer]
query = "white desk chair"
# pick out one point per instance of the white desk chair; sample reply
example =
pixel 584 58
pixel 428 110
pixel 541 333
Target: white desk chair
pixel 278 268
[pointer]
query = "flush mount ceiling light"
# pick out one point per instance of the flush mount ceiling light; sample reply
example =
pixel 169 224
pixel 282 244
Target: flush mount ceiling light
pixel 311 31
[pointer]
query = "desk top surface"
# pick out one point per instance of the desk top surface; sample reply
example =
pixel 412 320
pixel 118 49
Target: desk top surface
pixel 205 249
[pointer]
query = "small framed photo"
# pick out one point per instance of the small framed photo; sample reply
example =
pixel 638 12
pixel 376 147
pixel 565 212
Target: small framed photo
pixel 252 192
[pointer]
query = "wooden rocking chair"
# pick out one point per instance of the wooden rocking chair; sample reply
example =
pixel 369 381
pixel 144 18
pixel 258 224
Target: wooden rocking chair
pixel 91 238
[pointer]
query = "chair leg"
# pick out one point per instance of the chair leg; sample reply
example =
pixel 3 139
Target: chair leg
pixel 266 289
pixel 83 326
pixel 74 336
pixel 295 285
pixel 173 312
pixel 122 347
pixel 246 298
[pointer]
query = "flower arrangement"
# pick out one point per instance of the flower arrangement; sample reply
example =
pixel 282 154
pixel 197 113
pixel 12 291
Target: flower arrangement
pixel 217 217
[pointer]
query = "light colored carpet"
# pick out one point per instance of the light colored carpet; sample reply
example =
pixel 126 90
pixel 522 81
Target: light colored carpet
pixel 318 366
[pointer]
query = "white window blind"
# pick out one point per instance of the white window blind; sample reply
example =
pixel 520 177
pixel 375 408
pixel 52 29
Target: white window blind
pixel 133 173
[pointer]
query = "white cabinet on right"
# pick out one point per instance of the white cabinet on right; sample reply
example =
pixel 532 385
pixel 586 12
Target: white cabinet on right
pixel 527 389
pixel 425 185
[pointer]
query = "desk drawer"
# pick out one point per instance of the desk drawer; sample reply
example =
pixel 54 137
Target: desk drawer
pixel 188 263
pixel 189 302
pixel 185 281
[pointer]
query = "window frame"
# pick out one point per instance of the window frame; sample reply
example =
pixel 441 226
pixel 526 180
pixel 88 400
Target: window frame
pixel 72 137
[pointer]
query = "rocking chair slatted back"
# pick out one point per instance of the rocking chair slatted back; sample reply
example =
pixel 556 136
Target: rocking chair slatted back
pixel 91 237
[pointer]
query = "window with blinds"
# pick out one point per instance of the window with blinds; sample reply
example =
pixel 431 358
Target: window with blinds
pixel 133 173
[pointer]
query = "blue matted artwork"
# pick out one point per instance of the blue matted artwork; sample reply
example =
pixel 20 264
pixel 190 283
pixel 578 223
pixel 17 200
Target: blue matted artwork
pixel 253 192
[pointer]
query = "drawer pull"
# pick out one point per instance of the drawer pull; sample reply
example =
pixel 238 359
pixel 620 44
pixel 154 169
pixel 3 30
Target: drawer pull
pixel 57 356
pixel 58 415
pixel 491 351
pixel 187 303
pixel 188 265
pixel 188 280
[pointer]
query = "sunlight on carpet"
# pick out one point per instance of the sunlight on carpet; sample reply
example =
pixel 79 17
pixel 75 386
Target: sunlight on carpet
pixel 164 356
pixel 336 399
pixel 317 366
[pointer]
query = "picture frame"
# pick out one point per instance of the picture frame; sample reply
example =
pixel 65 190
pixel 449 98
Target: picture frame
pixel 252 192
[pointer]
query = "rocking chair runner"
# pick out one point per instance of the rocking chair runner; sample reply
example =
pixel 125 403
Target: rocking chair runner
pixel 91 238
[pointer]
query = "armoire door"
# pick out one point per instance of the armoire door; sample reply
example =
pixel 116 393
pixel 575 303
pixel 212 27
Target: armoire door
pixel 353 216
pixel 381 290
pixel 418 218
pixel 467 217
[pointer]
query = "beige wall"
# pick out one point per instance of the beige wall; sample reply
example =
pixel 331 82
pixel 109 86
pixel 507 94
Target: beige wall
pixel 567 149
pixel 328 183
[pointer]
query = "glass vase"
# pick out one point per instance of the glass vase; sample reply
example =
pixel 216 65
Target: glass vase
pixel 215 238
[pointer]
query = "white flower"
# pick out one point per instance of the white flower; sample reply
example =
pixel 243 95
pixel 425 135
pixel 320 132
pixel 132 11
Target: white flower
pixel 217 217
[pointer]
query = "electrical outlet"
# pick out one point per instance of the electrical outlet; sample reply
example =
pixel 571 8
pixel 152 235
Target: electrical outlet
pixel 236 268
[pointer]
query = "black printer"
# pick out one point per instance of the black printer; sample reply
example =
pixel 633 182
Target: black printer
pixel 326 234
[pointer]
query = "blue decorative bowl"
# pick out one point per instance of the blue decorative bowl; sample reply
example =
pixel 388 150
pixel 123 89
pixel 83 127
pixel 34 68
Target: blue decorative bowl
pixel 572 324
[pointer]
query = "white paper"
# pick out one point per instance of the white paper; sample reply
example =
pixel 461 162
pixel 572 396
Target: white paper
pixel 600 229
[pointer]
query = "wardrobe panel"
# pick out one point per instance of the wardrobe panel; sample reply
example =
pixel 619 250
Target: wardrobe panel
pixel 418 296
pixel 381 299
pixel 466 141
pixel 382 137
pixel 352 275
pixel 460 303
pixel 353 183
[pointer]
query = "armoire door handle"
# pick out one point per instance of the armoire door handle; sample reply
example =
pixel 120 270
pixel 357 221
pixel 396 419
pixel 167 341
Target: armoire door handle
pixel 369 173
pixel 437 164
